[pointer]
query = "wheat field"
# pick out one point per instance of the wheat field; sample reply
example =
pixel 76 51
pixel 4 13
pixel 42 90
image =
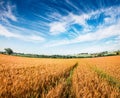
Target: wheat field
pixel 22 77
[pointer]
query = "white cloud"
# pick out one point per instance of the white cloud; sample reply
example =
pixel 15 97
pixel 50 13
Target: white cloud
pixel 57 27
pixel 64 23
pixel 79 19
pixel 42 17
pixel 9 13
pixel 101 33
pixel 55 16
pixel 6 33
pixel 71 4
pixel 112 13
pixel 6 12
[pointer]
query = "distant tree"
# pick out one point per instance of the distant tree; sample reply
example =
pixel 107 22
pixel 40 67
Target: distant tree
pixel 1 52
pixel 100 54
pixel 8 51
pixel 118 53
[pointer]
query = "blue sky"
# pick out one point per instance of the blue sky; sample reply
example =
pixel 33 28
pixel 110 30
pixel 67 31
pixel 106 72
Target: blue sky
pixel 60 26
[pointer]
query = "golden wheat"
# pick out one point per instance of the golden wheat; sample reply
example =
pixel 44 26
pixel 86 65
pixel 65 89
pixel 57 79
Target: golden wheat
pixel 59 78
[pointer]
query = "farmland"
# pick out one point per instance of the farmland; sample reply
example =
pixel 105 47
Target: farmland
pixel 22 77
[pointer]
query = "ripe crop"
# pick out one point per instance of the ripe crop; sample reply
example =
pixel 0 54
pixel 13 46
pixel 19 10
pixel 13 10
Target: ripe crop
pixel 59 78
pixel 110 65
pixel 26 77
pixel 87 83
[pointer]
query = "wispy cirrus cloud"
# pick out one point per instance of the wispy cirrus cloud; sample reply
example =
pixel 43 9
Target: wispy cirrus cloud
pixel 64 23
pixel 8 30
pixel 101 33
pixel 57 27
pixel 7 12
pixel 72 5
pixel 109 27
pixel 32 37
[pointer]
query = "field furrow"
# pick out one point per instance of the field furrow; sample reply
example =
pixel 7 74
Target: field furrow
pixel 31 80
pixel 88 84
pixel 110 65
pixel 22 77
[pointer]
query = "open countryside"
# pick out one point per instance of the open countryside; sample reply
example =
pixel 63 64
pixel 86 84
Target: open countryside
pixel 59 78
pixel 59 48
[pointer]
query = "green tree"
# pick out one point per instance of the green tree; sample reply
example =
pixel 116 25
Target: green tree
pixel 8 51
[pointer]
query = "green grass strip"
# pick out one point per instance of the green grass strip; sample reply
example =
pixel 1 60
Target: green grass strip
pixel 70 75
pixel 107 77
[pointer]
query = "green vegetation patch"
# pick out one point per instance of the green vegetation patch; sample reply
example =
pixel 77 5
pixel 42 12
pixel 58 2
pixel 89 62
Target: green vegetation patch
pixel 113 81
pixel 67 92
pixel 69 79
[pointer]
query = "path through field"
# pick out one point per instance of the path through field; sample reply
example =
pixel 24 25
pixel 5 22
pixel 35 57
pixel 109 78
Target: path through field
pixel 59 78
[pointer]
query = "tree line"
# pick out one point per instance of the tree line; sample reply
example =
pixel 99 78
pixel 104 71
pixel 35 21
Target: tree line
pixel 9 51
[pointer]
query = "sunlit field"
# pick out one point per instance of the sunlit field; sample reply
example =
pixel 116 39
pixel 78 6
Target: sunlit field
pixel 22 77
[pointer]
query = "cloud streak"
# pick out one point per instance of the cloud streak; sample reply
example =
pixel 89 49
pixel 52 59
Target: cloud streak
pixel 7 12
pixel 56 25
pixel 64 23
pixel 8 30
pixel 6 33
pixel 101 33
